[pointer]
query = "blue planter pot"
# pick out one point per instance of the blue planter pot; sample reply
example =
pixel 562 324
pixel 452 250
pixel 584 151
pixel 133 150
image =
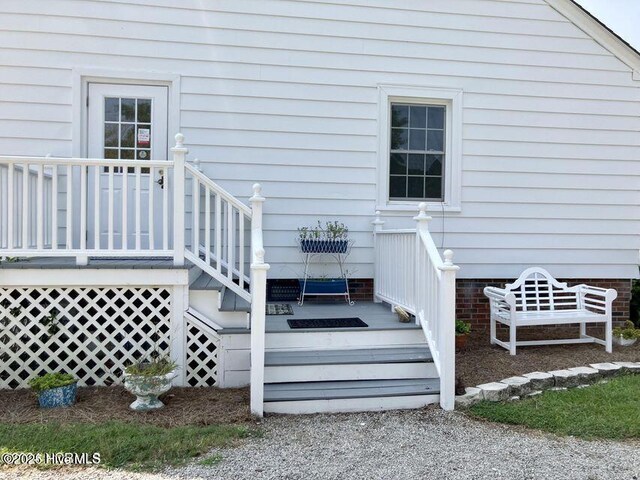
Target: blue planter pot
pixel 58 397
pixel 324 246
pixel 330 286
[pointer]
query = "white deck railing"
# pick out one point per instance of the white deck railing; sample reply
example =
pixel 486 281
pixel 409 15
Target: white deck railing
pixel 57 209
pixel 410 273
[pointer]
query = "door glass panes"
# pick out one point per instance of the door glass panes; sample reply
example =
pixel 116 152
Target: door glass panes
pixel 417 141
pixel 127 129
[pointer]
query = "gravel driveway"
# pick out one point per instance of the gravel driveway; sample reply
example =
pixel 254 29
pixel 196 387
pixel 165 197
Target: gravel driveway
pixel 427 444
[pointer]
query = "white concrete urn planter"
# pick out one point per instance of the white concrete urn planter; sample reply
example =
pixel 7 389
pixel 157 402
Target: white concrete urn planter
pixel 623 342
pixel 147 389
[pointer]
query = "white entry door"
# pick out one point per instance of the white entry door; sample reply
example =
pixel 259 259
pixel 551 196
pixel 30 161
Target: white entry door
pixel 127 122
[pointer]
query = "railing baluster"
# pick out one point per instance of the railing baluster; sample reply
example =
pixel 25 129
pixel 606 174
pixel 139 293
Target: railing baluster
pixel 96 208
pixel 54 207
pixel 111 209
pixel 195 226
pixel 83 208
pixel 230 237
pixel 207 225
pixel 218 233
pixel 165 210
pixel 25 205
pixel 152 240
pixel 125 211
pixel 39 200
pixel 69 224
pixel 138 210
pixel 241 249
pixel 10 205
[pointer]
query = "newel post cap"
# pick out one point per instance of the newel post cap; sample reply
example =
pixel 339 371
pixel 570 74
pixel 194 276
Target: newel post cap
pixel 257 193
pixel 422 214
pixel 448 261
pixel 378 222
pixel 179 147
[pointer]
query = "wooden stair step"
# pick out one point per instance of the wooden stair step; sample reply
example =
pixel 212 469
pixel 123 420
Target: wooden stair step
pixel 300 391
pixel 231 302
pixel 206 282
pixel 350 356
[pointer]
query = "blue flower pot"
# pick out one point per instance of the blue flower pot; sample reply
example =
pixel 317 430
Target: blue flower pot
pixel 324 246
pixel 58 397
pixel 330 286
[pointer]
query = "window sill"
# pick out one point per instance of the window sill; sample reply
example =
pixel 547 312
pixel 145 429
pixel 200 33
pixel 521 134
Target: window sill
pixel 403 208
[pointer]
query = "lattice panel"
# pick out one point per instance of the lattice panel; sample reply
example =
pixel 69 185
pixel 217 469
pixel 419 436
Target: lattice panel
pixel 92 333
pixel 202 356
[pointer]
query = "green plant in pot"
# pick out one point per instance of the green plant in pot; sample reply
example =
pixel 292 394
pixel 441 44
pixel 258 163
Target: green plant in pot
pixel 463 329
pixel 627 335
pixel 333 237
pixel 54 389
pixel 147 380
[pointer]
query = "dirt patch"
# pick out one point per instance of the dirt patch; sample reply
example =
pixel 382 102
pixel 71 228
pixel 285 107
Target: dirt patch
pixel 183 406
pixel 480 362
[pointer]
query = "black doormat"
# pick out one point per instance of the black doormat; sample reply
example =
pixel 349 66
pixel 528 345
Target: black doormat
pixel 279 309
pixel 326 323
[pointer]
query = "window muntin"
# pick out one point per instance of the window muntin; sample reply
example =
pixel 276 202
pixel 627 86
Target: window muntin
pixel 127 129
pixel 417 152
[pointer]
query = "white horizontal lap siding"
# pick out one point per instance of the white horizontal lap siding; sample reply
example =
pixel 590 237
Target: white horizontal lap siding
pixel 285 93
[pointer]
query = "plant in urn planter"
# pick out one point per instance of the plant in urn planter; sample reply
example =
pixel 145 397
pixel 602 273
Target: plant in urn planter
pixel 150 377
pixel 147 380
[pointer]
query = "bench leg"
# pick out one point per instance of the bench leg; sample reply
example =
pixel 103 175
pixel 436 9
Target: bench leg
pixel 583 330
pixel 608 335
pixel 512 338
pixel 492 326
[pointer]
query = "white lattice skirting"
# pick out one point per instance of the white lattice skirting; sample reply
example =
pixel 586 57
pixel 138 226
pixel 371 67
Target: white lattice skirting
pixel 202 356
pixel 92 333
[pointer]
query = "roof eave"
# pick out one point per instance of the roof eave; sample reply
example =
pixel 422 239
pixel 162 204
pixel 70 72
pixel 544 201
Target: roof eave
pixel 600 33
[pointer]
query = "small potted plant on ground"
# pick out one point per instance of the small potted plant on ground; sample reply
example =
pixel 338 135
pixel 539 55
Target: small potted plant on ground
pixel 55 389
pixel 147 380
pixel 627 335
pixel 463 329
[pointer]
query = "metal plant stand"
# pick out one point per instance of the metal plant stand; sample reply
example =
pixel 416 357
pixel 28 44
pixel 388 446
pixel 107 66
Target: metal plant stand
pixel 339 252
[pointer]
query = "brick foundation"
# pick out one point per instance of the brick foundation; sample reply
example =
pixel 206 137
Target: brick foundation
pixel 473 306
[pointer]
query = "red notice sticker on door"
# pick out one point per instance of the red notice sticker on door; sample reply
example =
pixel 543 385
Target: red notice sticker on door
pixel 144 137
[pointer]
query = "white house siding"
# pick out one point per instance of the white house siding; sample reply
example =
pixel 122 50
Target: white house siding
pixel 285 93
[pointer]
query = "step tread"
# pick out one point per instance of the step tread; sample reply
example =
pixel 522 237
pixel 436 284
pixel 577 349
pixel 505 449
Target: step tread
pixel 206 282
pixel 298 391
pixel 350 356
pixel 231 302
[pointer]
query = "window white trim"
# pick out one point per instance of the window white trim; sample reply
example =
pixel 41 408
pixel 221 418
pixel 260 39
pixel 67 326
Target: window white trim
pixel 452 98
pixel 83 76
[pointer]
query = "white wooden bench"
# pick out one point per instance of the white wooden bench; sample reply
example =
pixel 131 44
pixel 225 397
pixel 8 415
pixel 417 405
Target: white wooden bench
pixel 536 298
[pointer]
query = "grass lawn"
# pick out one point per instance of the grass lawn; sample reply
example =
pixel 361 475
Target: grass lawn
pixel 138 447
pixel 607 410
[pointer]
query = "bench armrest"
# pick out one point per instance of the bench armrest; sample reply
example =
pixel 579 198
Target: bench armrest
pixel 596 298
pixel 500 295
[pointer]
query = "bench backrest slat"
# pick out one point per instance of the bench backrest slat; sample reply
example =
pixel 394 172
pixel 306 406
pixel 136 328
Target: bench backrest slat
pixel 537 290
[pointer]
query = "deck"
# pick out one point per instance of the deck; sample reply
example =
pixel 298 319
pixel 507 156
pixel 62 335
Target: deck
pixel 69 263
pixel 377 316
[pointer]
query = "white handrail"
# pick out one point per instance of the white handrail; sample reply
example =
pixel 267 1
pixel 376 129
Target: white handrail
pixel 410 273
pixel 217 224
